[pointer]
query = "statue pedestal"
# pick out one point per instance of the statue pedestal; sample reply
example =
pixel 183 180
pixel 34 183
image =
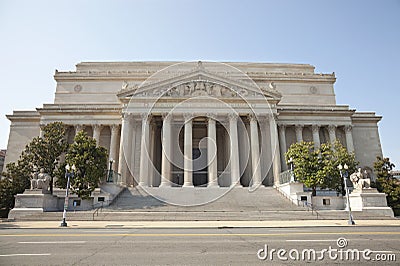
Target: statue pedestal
pixel 33 201
pixel 370 201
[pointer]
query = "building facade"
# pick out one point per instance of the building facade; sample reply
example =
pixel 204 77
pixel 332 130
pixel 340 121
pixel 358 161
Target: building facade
pixel 199 123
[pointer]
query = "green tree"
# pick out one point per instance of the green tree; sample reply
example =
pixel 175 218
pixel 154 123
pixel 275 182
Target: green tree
pixel 318 168
pixel 382 167
pixel 386 182
pixel 332 157
pixel 308 169
pixel 90 162
pixel 45 152
pixel 41 152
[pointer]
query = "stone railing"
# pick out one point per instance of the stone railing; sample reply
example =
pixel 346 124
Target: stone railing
pixel 285 177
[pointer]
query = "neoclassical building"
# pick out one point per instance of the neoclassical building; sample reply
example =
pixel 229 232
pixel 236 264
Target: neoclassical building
pixel 199 123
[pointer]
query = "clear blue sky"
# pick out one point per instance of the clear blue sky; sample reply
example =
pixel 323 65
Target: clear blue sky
pixel 358 40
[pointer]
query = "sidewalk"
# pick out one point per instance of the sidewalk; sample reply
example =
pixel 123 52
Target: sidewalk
pixel 193 224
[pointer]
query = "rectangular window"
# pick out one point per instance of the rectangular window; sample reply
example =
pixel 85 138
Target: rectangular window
pixel 326 201
pixel 77 203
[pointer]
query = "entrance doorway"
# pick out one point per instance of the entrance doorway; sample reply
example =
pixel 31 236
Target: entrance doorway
pixel 199 174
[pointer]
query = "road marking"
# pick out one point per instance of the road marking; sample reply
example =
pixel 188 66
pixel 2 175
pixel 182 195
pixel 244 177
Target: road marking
pixel 311 240
pixel 287 230
pixel 14 255
pixel 54 242
pixel 201 234
pixel 106 231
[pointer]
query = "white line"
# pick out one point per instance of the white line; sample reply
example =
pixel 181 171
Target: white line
pixel 14 255
pixel 289 230
pixel 311 240
pixel 105 231
pixel 54 242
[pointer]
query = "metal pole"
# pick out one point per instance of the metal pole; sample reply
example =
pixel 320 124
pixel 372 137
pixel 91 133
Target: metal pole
pixel 64 222
pixel 344 176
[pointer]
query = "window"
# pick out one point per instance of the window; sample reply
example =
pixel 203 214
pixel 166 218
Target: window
pixel 326 201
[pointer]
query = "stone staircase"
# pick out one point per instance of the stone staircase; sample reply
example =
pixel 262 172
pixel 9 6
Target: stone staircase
pixel 238 204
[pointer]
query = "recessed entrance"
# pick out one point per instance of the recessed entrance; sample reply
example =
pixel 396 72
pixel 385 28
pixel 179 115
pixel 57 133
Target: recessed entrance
pixel 199 174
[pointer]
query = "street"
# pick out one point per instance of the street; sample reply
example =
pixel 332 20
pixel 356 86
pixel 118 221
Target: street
pixel 200 246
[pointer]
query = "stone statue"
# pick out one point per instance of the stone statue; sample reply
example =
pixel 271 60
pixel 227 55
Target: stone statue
pixel 34 177
pixel 41 180
pixel 360 180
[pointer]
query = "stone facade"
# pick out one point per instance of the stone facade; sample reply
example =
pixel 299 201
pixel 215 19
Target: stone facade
pixel 247 113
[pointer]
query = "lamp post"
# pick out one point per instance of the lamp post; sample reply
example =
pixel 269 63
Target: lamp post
pixel 291 165
pixel 344 175
pixel 69 173
pixel 110 172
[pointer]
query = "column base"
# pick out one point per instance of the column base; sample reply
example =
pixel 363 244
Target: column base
pixel 256 185
pixel 165 184
pixel 187 185
pixel 142 184
pixel 213 185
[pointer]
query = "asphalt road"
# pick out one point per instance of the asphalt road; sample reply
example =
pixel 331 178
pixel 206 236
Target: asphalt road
pixel 224 246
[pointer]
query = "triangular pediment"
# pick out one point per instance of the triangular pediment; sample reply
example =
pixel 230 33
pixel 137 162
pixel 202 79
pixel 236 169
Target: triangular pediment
pixel 198 82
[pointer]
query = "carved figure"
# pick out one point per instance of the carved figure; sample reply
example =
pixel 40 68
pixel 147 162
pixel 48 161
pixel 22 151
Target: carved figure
pixel 360 180
pixel 41 180
pixel 34 177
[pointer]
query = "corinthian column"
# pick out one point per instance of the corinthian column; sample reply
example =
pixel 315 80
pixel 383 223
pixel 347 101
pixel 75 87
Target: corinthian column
pixel 349 138
pixel 332 133
pixel 124 147
pixel 96 133
pixel 315 135
pixel 144 151
pixel 299 133
pixel 282 144
pixel 212 153
pixel 187 159
pixel 276 164
pixel 79 128
pixel 166 151
pixel 255 152
pixel 234 143
pixel 113 145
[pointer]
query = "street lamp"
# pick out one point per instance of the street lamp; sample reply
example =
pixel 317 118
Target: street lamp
pixel 291 164
pixel 344 175
pixel 69 173
pixel 110 172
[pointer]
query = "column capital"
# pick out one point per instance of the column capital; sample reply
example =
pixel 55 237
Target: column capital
pixel 332 128
pixel 299 126
pixel 282 126
pixel 114 127
pixel 166 117
pixel 348 128
pixel 97 126
pixel 188 117
pixel 126 116
pixel 233 116
pixel 145 116
pixel 79 127
pixel 252 117
pixel 315 128
pixel 211 116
